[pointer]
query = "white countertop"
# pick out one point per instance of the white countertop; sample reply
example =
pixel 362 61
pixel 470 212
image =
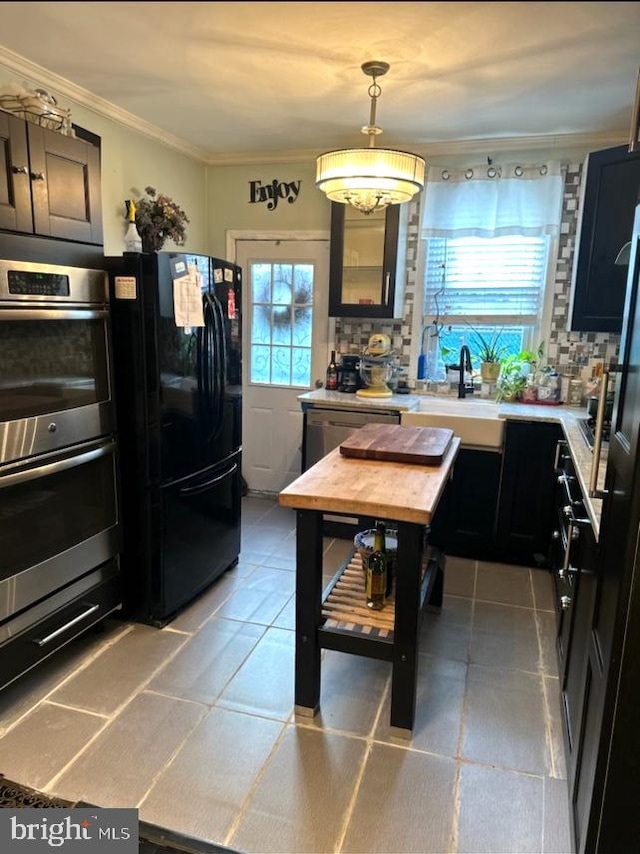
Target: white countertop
pixel 343 400
pixel 567 416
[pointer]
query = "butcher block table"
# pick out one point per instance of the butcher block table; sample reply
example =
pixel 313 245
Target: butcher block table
pixel 404 494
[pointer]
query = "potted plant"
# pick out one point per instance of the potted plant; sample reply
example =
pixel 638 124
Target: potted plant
pixel 489 352
pixel 511 381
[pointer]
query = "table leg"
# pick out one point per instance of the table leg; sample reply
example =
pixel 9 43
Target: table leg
pixel 407 621
pixel 308 610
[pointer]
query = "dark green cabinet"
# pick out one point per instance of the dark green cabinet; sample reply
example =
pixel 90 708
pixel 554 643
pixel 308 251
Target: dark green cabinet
pixel 464 522
pixel 611 179
pixel 367 262
pixel 49 183
pixel 527 488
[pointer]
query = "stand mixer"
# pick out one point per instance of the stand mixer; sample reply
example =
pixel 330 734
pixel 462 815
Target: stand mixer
pixel 376 367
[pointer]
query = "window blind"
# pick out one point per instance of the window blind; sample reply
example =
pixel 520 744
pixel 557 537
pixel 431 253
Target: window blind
pixel 498 279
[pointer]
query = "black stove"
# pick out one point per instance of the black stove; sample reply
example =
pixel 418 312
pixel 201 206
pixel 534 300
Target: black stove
pixel 588 429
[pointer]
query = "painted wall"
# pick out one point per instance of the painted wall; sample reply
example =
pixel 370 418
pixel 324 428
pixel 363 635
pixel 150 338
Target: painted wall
pixel 131 162
pixel 234 201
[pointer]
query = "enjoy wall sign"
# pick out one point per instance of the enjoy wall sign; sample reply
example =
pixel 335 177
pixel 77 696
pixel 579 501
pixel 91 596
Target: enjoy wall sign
pixel 272 193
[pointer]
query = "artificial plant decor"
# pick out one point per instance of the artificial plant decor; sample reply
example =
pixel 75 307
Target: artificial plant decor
pixel 159 218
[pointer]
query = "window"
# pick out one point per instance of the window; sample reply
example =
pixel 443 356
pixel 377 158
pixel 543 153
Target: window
pixel 281 324
pixel 490 282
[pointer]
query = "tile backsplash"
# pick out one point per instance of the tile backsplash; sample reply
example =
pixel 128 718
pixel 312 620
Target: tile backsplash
pixel 566 350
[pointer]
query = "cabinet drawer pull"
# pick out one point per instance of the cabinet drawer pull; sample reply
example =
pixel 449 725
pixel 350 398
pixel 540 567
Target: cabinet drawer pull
pixel 37 176
pixel 565 603
pixel 19 170
pixel 387 283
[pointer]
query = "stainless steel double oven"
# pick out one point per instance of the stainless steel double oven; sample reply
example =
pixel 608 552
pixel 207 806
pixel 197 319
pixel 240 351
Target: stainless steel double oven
pixel 59 508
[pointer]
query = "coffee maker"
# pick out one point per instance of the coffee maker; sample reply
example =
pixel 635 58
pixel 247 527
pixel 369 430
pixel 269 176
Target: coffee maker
pixel 349 374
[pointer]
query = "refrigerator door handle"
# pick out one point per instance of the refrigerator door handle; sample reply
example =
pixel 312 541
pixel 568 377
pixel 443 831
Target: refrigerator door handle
pixel 211 367
pixel 222 361
pixel 208 360
pixel 201 356
pixel 218 366
pixel 203 487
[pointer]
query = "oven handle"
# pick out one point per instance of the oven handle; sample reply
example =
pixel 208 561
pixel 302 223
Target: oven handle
pixel 594 492
pixel 54 468
pixel 53 635
pixel 54 314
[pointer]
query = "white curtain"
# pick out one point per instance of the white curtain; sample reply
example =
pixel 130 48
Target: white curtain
pixel 493 201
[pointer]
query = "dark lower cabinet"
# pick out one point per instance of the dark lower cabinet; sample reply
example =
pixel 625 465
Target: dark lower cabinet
pixel 464 523
pixel 527 488
pixel 499 506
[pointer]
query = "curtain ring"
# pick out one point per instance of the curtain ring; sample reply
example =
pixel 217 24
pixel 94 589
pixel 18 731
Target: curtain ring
pixel 519 171
pixel 468 174
pixel 543 170
pixel 445 175
pixel 492 172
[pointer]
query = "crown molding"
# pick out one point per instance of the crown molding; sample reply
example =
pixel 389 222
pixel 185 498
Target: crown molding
pixel 480 146
pixel 42 77
pixel 39 76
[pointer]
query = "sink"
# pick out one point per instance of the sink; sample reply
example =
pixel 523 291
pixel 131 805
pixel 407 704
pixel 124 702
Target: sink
pixel 476 422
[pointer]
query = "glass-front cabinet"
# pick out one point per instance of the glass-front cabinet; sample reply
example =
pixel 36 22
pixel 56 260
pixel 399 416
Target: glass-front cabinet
pixel 367 261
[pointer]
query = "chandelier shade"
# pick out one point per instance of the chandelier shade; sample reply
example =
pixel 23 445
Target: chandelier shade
pixel 370 178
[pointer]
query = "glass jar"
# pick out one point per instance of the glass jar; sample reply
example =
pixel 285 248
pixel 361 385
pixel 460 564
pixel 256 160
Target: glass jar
pixel 530 391
pixel 575 392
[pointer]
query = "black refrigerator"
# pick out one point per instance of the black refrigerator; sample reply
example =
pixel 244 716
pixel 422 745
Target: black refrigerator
pixel 178 395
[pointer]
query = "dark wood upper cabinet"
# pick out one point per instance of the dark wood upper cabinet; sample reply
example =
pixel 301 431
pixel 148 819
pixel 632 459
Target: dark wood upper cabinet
pixel 611 180
pixel 367 262
pixel 49 183
pixel 15 183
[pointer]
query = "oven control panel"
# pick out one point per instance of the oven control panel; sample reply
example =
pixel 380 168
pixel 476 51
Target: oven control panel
pixel 23 283
pixel 27 282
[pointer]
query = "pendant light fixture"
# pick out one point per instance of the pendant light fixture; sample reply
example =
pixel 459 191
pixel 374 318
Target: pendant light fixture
pixel 370 178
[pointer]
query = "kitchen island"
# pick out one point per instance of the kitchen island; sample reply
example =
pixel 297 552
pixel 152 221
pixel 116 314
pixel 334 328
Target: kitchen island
pixel 403 493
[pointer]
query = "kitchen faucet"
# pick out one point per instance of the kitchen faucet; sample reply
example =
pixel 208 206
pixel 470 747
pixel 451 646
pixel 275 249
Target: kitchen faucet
pixel 465 365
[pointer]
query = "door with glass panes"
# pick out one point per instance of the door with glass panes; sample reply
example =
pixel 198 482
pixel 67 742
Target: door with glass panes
pixel 286 333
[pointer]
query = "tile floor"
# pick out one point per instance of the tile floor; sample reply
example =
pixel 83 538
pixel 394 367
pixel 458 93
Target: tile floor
pixel 194 725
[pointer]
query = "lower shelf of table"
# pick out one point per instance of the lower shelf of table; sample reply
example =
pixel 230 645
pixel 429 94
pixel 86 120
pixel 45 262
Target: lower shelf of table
pixel 350 626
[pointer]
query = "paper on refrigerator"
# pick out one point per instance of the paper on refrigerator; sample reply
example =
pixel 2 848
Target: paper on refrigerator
pixel 187 298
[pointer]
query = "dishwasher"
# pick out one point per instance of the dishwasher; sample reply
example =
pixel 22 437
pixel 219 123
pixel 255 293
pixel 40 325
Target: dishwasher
pixel 326 429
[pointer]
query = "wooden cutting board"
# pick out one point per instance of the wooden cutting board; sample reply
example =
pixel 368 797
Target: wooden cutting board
pixel 399 444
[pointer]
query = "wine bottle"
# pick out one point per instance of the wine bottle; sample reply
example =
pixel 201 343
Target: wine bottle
pixel 331 379
pixel 383 529
pixel 376 585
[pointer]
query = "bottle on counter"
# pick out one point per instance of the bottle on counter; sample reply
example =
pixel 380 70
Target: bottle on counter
pixel 331 379
pixel 376 583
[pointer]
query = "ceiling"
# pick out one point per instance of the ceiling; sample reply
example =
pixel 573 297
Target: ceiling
pixel 239 81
